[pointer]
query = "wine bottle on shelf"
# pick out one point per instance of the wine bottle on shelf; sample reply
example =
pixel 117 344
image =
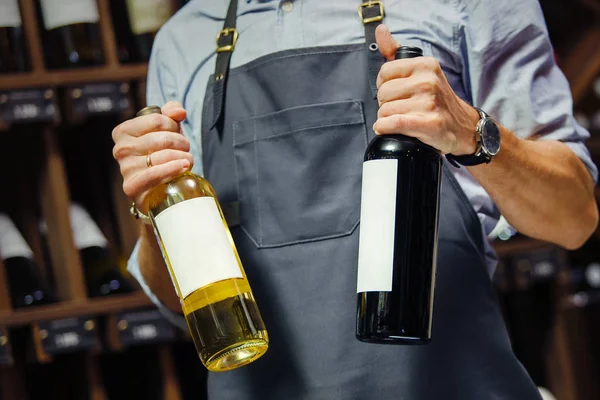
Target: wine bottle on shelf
pixel 101 270
pixel 398 237
pixel 582 306
pixel 136 23
pixel 13 51
pixel 26 285
pixel 531 305
pixel 71 33
pixel 206 270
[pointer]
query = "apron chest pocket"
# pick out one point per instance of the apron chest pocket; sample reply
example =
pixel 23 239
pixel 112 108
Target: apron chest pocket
pixel 299 172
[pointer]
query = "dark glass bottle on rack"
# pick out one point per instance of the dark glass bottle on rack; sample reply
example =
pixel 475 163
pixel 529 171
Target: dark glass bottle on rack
pixel 136 24
pixel 582 311
pixel 13 51
pixel 27 287
pixel 71 34
pixel 398 237
pixel 101 271
pixel 531 306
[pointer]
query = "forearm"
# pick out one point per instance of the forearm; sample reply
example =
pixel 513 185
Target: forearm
pixel 154 270
pixel 542 189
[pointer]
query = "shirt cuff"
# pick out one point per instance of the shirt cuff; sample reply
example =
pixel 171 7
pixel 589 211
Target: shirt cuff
pixel 133 267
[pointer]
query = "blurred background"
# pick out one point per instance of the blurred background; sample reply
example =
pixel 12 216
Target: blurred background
pixel 75 325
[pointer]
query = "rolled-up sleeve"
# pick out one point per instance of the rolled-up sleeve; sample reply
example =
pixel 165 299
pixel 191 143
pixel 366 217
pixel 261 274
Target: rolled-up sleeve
pixel 511 73
pixel 161 87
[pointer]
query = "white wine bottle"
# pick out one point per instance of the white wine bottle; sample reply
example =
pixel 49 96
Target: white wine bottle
pixel 216 298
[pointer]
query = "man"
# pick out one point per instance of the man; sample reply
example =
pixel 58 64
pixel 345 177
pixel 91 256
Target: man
pixel 300 107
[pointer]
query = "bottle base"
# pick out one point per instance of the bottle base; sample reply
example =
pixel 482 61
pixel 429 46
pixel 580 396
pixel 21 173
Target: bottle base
pixel 392 339
pixel 237 355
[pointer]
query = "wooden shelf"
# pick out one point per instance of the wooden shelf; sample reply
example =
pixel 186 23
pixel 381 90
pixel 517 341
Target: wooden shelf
pixel 92 307
pixel 68 77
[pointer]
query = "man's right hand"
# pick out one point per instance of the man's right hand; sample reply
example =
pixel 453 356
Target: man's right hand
pixel 160 137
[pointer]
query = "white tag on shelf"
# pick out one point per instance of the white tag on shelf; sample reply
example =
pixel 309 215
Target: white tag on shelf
pixel 377 225
pixel 57 13
pixel 9 13
pixel 199 250
pixel 146 16
pixel 12 243
pixel 85 231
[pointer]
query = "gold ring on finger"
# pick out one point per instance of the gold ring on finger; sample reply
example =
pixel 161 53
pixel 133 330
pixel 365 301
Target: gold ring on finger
pixel 149 160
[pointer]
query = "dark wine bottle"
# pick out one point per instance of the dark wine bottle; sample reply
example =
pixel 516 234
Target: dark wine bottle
pixel 71 33
pixel 137 22
pixel 101 271
pixel 13 52
pixel 26 286
pixel 398 237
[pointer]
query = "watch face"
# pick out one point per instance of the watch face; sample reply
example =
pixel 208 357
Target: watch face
pixel 490 137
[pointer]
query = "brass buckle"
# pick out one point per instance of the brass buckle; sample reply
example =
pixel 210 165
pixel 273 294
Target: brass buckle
pixel 226 32
pixel 369 4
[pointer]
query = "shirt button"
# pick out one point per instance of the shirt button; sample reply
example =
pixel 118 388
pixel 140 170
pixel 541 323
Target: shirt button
pixel 288 6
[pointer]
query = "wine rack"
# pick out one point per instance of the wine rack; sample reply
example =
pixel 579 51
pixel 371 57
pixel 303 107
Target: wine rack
pixel 78 340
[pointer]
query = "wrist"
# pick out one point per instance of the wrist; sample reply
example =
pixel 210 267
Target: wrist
pixel 468 143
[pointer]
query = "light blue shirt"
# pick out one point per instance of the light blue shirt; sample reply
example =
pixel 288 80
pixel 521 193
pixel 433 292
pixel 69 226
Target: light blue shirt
pixel 497 52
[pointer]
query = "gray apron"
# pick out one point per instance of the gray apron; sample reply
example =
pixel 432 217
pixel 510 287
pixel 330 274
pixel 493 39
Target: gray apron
pixel 290 149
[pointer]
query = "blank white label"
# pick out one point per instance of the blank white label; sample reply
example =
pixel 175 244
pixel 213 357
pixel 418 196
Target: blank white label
pixel 377 226
pixel 146 16
pixel 9 13
pixel 57 13
pixel 196 244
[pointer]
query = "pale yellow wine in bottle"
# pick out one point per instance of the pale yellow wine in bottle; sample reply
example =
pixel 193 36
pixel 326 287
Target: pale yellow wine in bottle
pixel 217 301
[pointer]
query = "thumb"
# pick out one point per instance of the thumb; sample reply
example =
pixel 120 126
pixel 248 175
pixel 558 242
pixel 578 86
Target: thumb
pixel 386 43
pixel 174 110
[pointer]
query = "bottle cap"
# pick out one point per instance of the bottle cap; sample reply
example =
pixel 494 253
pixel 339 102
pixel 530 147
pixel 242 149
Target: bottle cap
pixel 408 52
pixel 148 110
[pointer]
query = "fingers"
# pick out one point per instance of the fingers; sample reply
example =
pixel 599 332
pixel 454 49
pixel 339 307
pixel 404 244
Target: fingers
pixel 149 143
pixel 140 126
pixel 395 90
pixel 408 124
pixel 386 43
pixel 406 68
pixel 155 141
pixel 419 127
pixel 145 179
pixel 131 166
pixel 167 155
pixel 417 105
pixel 174 110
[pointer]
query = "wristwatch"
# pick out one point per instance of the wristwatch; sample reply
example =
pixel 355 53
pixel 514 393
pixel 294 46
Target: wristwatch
pixel 488 143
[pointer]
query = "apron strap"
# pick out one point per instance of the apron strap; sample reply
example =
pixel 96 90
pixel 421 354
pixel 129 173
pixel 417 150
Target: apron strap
pixel 226 40
pixel 371 13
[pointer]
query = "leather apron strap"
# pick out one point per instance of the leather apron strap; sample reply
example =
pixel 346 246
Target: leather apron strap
pixel 370 12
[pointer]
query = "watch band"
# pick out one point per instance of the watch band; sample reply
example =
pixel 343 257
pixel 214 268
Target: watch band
pixel 472 159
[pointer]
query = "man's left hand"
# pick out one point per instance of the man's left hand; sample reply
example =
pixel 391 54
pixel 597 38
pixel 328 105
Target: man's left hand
pixel 416 100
